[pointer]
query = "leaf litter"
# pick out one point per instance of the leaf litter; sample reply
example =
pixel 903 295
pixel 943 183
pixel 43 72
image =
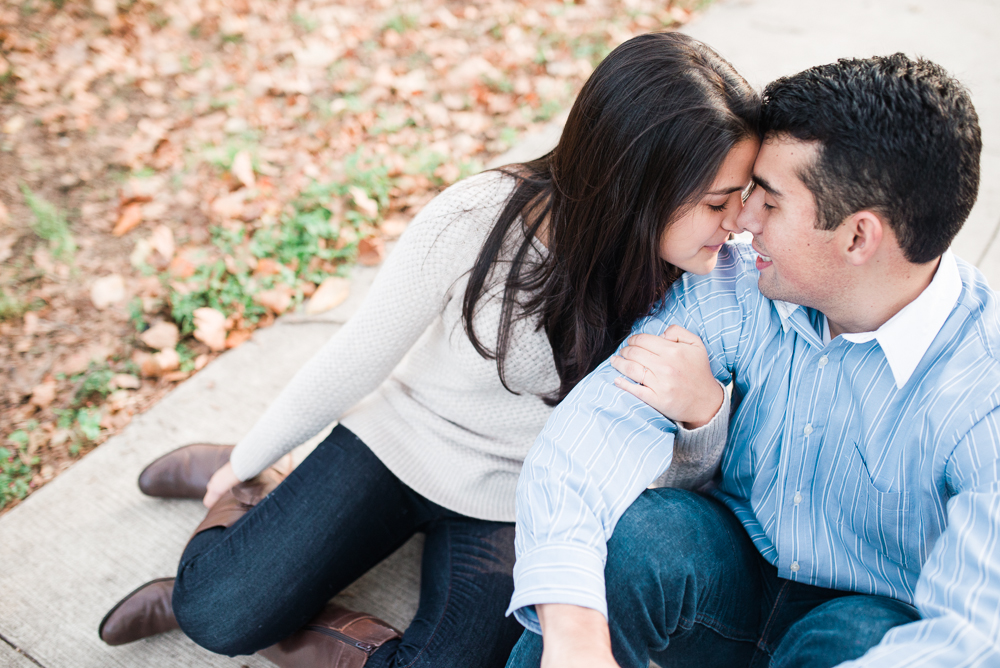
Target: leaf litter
pixel 176 173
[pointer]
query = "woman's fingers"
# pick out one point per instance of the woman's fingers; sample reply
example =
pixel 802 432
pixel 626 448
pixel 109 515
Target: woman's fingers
pixel 631 369
pixel 640 392
pixel 678 334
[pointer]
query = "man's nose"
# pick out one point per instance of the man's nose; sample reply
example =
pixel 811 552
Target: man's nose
pixel 748 219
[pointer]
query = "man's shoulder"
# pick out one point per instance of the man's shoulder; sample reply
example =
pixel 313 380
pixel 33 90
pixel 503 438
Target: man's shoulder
pixel 977 312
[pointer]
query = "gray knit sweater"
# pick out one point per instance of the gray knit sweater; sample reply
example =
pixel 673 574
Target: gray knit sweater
pixel 403 375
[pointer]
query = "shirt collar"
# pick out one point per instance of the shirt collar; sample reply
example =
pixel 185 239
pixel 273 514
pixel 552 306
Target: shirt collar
pixel 906 336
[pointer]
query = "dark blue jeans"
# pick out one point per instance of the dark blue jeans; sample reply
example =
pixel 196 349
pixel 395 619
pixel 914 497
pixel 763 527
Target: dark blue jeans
pixel 686 587
pixel 336 516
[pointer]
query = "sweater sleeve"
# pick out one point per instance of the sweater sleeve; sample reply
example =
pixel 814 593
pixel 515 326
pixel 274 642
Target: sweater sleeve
pixel 410 290
pixel 698 452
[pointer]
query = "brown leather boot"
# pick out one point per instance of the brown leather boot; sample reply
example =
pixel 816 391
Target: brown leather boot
pixel 148 610
pixel 184 473
pixel 336 638
pixel 145 612
pixel 234 504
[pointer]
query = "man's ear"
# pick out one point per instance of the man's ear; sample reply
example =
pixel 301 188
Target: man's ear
pixel 861 235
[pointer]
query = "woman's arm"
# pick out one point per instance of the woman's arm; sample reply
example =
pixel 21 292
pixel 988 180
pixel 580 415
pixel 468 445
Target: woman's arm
pixel 671 373
pixel 410 290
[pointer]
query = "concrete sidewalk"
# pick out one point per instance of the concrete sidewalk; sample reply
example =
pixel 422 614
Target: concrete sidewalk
pixel 76 546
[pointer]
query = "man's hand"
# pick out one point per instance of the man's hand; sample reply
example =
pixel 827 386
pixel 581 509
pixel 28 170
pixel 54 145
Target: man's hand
pixel 221 482
pixel 673 376
pixel 574 637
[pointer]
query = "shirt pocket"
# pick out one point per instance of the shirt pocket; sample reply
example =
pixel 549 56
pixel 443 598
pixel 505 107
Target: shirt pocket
pixel 886 521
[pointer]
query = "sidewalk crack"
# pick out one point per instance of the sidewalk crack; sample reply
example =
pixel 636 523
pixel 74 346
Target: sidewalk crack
pixel 20 651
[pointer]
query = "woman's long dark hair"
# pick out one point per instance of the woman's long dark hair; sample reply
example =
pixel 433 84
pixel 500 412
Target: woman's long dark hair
pixel 643 141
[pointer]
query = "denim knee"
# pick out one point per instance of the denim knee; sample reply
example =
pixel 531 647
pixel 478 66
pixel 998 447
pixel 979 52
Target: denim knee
pixel 527 652
pixel 655 538
pixel 840 630
pixel 218 626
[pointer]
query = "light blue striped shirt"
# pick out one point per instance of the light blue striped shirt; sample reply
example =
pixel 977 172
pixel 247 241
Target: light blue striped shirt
pixel 868 463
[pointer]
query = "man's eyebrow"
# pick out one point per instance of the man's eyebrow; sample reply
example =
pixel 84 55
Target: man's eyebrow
pixel 761 183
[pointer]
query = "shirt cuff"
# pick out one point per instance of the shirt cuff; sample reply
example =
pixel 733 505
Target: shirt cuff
pixel 698 452
pixel 557 573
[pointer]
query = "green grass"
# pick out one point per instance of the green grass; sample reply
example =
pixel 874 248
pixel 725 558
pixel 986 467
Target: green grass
pixel 50 224
pixel 16 465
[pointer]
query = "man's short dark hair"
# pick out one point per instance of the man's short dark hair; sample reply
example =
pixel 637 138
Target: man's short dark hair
pixel 897 136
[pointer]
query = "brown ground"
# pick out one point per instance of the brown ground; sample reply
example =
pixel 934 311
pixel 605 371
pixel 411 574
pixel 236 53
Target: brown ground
pixel 169 146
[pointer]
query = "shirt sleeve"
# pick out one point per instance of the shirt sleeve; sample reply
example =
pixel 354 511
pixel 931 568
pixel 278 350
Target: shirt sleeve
pixel 599 450
pixel 409 292
pixel 958 593
pixel 698 452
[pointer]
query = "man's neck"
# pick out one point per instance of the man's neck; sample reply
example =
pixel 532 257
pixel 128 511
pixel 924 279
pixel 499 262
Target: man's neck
pixel 869 308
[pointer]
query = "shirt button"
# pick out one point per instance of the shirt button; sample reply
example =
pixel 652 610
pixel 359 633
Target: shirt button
pixel 808 429
pixel 822 361
pixel 794 567
pixel 797 499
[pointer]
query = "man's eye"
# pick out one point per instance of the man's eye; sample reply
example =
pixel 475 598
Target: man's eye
pixel 767 206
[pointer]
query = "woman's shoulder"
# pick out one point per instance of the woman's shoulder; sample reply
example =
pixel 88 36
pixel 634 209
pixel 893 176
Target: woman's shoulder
pixel 466 209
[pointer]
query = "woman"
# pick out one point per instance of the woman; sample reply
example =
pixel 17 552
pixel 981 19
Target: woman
pixel 504 292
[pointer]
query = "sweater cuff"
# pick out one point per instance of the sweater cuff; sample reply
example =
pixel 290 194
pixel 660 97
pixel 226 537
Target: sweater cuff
pixel 696 440
pixel 698 452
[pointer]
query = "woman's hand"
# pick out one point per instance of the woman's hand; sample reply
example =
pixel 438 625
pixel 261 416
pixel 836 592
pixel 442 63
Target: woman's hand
pixel 673 376
pixel 221 482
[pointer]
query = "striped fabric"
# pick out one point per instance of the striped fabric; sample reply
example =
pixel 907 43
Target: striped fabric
pixel 844 474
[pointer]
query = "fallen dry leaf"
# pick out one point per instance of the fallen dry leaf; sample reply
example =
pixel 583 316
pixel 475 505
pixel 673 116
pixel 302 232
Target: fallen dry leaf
pixel 181 267
pixel 392 228
pixel 277 299
pixel 125 381
pixel 242 169
pixel 331 293
pixel 6 246
pixel 128 220
pixel 162 241
pixel 107 291
pixel 371 251
pixel 148 366
pixel 167 359
pixel 238 337
pixel 363 202
pixel 43 395
pixel 230 207
pixel 210 327
pixel 266 267
pixel 161 336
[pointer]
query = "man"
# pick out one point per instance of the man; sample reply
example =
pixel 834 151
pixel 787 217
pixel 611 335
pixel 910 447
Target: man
pixel 857 514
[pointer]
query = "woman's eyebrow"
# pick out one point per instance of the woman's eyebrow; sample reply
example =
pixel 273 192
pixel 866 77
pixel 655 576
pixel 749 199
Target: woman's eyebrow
pixel 726 191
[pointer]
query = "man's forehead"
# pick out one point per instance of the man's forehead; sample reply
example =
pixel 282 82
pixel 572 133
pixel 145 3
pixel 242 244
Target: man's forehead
pixel 781 162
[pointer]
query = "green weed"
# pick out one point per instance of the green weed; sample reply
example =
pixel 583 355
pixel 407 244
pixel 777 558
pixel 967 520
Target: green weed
pixel 10 306
pixel 401 23
pixel 50 225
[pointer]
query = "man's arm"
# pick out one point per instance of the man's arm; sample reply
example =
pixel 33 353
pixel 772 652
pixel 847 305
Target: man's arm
pixel 599 450
pixel 958 594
